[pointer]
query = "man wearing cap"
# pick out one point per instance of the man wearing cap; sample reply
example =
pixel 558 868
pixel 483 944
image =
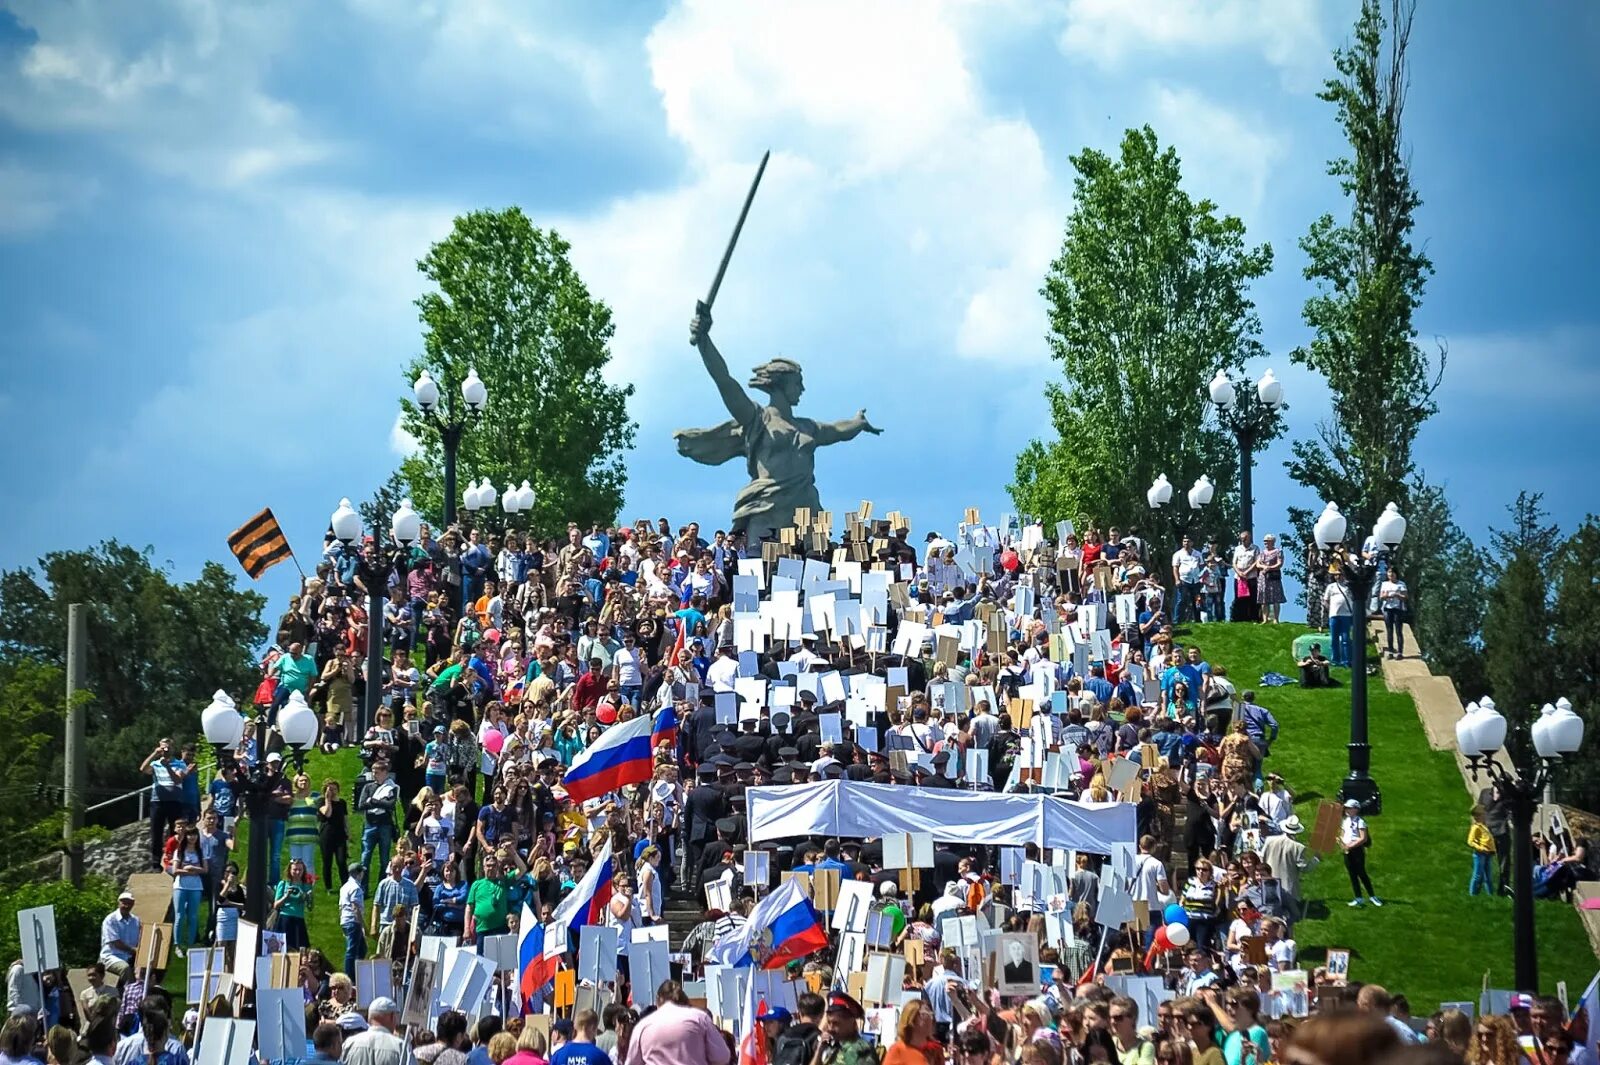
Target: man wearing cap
pixel 378 1045
pixel 705 805
pixel 378 804
pixel 1287 858
pixel 841 1042
pixel 119 937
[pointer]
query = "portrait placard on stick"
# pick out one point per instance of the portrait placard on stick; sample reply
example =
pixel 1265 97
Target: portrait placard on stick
pixel 757 868
pixel 419 994
pixel 374 979
pixel 155 945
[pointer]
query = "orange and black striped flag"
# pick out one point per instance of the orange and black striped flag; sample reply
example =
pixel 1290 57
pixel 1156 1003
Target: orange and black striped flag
pixel 259 544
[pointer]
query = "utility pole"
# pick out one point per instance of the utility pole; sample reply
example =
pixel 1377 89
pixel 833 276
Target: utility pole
pixel 77 662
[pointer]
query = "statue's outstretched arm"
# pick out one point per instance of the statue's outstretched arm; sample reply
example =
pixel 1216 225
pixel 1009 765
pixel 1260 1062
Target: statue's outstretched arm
pixel 849 429
pixel 733 397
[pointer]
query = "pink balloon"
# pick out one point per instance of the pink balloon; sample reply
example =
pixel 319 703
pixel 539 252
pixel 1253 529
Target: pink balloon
pixel 494 741
pixel 492 635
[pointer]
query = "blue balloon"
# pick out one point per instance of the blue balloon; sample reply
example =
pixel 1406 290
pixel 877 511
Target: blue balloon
pixel 1175 914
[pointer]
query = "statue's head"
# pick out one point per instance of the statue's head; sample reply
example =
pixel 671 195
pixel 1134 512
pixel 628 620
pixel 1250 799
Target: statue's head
pixel 779 377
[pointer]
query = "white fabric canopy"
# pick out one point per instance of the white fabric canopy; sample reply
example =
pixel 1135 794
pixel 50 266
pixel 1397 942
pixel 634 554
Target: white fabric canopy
pixel 858 810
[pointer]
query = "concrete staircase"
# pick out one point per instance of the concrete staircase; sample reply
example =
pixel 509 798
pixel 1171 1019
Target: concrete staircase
pixel 1439 706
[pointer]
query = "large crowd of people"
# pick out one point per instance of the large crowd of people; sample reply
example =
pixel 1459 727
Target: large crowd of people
pixel 506 660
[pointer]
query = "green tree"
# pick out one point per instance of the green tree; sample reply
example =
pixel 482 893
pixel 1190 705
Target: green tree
pixel 508 303
pixel 1369 278
pixel 157 650
pixel 1147 300
pixel 378 512
pixel 32 708
pixel 1445 574
pixel 1517 623
pixel 1576 651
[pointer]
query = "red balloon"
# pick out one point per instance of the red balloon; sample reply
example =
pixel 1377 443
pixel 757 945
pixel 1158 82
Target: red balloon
pixel 1008 560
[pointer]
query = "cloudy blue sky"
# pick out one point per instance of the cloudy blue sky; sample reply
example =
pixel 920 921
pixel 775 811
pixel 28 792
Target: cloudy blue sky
pixel 210 214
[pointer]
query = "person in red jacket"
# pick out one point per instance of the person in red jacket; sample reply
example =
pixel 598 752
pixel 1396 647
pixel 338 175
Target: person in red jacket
pixel 589 688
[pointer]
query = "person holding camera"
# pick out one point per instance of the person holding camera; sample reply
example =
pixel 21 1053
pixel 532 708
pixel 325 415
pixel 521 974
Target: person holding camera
pixel 377 803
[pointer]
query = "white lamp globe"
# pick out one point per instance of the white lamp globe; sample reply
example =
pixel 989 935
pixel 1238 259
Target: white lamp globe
pixel 1563 731
pixel 1222 391
pixel 1330 527
pixel 297 722
pixel 1491 730
pixel 525 496
pixel 1270 390
pixel 486 494
pixel 1390 528
pixel 426 389
pixel 474 392
pixel 1160 492
pixel 346 523
pixel 1201 492
pixel 470 499
pixel 221 723
pixel 1467 732
pixel 406 527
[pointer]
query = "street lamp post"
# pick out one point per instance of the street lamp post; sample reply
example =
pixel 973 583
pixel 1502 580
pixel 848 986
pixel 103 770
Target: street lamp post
pixel 1358 574
pixel 1158 495
pixel 451 423
pixel 374 564
pixel 224 728
pixel 1557 732
pixel 1249 413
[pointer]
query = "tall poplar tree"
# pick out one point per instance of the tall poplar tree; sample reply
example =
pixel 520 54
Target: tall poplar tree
pixel 1147 300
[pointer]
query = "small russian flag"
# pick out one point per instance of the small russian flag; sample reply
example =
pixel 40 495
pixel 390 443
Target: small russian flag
pixel 621 756
pixel 665 729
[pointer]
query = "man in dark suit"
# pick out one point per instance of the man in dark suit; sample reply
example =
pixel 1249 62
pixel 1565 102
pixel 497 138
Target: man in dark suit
pixel 705 805
pixel 1017 968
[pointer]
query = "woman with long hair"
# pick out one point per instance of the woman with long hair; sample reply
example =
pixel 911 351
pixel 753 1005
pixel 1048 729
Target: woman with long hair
pixel 1494 1042
pixel 188 871
pixel 291 904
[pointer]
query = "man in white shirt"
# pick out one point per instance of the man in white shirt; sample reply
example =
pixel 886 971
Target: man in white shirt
pixel 1188 570
pixel 724 671
pixel 119 937
pixel 378 1045
pixel 1149 881
pixel 627 669
pixel 352 907
pixel 1276 801
pixel 1336 602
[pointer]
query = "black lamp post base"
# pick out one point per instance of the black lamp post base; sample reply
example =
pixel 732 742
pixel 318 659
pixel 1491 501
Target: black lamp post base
pixel 1364 790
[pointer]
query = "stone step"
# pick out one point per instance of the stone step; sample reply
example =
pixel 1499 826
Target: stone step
pixel 1589 889
pixel 152 897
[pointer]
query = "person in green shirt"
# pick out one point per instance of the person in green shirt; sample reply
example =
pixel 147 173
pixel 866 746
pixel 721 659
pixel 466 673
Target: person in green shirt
pixel 890 893
pixel 488 902
pixel 291 905
pixel 295 671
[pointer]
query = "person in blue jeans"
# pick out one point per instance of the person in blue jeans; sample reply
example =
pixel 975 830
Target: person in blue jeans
pixel 1480 841
pixel 280 798
pixel 188 885
pixel 378 804
pixel 352 907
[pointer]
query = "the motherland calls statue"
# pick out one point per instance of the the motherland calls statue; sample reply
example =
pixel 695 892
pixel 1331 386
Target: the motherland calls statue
pixel 777 445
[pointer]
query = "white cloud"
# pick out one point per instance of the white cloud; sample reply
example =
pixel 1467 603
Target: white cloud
pixel 176 84
pixel 401 442
pixel 1111 33
pixel 1536 369
pixel 32 200
pixel 1227 156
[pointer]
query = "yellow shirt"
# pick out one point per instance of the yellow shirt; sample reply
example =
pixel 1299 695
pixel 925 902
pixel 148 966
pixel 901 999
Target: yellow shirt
pixel 1479 839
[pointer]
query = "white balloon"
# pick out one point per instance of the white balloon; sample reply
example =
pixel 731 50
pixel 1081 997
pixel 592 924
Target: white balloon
pixel 1177 935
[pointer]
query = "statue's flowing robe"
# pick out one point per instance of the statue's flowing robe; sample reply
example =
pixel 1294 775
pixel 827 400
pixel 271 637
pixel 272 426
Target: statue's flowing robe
pixel 780 456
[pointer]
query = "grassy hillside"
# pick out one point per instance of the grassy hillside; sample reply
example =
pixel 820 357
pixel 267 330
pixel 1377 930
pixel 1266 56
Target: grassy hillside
pixel 1430 941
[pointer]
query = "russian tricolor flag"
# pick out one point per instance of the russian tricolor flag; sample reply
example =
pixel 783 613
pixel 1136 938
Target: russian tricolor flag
pixel 586 905
pixel 621 756
pixel 535 968
pixel 665 730
pixel 783 926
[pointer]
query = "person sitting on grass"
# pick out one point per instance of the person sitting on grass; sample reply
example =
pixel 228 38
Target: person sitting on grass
pixel 1314 669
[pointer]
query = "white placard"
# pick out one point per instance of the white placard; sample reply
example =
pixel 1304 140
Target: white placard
pixel 200 959
pixel 649 965
pixel 977 765
pixel 855 900
pixel 433 948
pixel 727 708
pixel 832 728
pixel 1115 909
pixel 245 946
pixel 37 929
pixel 501 951
pixel 374 979
pixel 597 953
pixel 228 1042
pixel 281 1023
pixel 467 977
pixel 757 868
pixel 719 895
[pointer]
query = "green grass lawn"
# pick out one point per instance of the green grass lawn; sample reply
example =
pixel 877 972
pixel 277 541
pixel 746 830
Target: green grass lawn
pixel 1430 940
